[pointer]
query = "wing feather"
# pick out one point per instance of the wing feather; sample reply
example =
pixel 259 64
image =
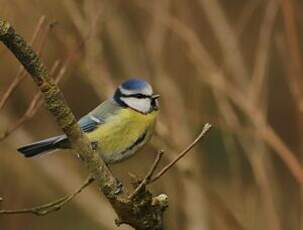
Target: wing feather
pixel 89 123
pixel 98 116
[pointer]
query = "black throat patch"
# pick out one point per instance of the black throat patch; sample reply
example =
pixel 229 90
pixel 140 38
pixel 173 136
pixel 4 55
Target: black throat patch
pixel 137 142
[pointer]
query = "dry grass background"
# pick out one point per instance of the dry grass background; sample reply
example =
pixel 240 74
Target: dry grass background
pixel 236 64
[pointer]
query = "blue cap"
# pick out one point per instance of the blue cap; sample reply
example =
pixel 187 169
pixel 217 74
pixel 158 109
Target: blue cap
pixel 134 84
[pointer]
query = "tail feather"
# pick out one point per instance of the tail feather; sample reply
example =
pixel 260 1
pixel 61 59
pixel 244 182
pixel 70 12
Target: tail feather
pixel 43 146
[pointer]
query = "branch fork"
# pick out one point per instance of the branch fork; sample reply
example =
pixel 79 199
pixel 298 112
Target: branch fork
pixel 141 209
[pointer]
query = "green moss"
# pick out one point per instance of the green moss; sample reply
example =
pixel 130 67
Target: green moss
pixel 139 212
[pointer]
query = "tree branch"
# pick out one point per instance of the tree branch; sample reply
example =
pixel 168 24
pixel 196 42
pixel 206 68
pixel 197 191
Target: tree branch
pixel 143 213
pixel 204 131
pixel 52 206
pixel 57 106
pixel 20 75
pixel 31 109
pixel 148 176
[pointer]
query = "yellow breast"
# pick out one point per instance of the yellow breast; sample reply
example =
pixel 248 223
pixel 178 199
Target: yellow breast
pixel 121 131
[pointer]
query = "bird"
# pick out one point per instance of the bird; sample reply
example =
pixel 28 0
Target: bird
pixel 117 128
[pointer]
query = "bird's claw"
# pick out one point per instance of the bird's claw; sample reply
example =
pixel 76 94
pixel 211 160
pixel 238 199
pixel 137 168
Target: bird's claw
pixel 94 145
pixel 119 188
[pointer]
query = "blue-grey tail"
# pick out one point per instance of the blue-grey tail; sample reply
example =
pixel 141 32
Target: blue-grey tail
pixel 43 146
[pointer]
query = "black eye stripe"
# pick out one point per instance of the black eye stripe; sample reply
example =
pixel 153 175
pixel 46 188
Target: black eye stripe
pixel 138 95
pixel 119 95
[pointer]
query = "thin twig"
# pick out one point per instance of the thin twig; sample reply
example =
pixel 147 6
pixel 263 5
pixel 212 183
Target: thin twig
pixel 205 63
pixel 263 52
pixel 127 211
pixel 31 109
pixel 292 33
pixel 52 206
pixel 148 176
pixel 294 60
pixel 21 71
pixel 256 152
pixel 246 15
pixel 151 214
pixel 228 40
pixel 204 131
pixel 37 101
pixel 265 131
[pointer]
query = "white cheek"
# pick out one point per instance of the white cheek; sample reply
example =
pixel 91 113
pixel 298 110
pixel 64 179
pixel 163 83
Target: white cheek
pixel 139 104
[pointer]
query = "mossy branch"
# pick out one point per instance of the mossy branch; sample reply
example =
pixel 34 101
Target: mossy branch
pixel 53 206
pixel 142 212
pixel 57 106
pixel 141 209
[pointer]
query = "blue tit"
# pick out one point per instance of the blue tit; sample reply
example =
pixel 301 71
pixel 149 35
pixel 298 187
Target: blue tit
pixel 118 127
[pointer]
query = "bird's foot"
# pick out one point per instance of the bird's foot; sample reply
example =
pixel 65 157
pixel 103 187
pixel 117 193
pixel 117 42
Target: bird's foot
pixel 119 187
pixel 94 145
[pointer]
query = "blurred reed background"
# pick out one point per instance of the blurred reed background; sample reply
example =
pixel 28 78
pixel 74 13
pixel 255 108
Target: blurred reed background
pixel 236 64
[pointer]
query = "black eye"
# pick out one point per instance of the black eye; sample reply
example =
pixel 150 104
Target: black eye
pixel 155 103
pixel 137 95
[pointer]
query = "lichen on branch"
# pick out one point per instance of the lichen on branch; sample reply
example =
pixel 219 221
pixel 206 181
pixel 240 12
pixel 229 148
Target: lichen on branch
pixel 140 212
pixel 56 104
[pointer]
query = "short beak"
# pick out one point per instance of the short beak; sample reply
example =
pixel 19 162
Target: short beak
pixel 155 96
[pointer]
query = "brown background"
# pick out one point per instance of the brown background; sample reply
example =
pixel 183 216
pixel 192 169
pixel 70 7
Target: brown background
pixel 236 64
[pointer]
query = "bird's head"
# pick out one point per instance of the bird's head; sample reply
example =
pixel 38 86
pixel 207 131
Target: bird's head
pixel 138 95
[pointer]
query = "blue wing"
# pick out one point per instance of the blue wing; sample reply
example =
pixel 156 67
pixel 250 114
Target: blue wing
pixel 99 116
pixel 89 123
